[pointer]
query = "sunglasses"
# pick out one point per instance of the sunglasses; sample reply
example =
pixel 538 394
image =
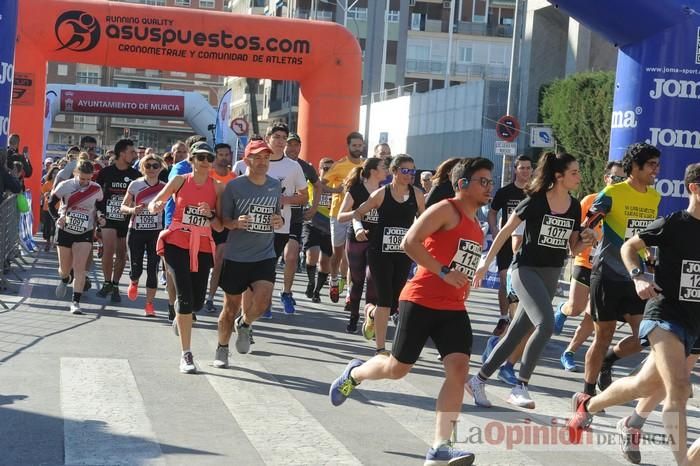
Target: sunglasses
pixel 617 178
pixel 202 157
pixel 407 171
pixel 152 166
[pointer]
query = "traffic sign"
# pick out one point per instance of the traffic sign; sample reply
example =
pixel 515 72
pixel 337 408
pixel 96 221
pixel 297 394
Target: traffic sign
pixel 239 126
pixel 506 148
pixel 541 136
pixel 507 128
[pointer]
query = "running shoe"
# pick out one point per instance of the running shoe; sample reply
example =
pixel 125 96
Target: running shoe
pixel 568 362
pixel 604 378
pixel 105 290
pixel 368 324
pixel 187 363
pixel 506 374
pixel 334 292
pixel 268 313
pixel 133 291
pixel 559 319
pixel 580 418
pixel 316 298
pixel 477 389
pixel 252 342
pixel 75 308
pixel 629 441
pixel 310 290
pixel 242 336
pixel 501 327
pixel 343 385
pixel 221 357
pixel 395 318
pixel 163 279
pixel 209 306
pixel 352 324
pixel 61 289
pixel 341 286
pixel 116 297
pixel 446 454
pixel 520 397
pixel 288 302
pixel 149 310
pixel 490 345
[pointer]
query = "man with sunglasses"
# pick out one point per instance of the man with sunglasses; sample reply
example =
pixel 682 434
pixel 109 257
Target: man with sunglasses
pixel 579 290
pixel 505 201
pixel 446 243
pixel 626 209
pixel 114 181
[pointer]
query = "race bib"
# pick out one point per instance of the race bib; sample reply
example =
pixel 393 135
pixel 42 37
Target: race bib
pixel 372 216
pixel 391 240
pixel 510 207
pixel 77 223
pixel 466 258
pixel 555 232
pixel 146 221
pixel 260 218
pixel 635 225
pixel 689 289
pixel 325 200
pixel 114 203
pixel 192 216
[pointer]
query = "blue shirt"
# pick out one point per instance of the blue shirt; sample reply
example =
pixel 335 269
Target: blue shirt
pixel 183 167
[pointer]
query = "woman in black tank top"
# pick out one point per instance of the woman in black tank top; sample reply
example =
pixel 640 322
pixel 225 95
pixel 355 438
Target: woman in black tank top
pixel 397 204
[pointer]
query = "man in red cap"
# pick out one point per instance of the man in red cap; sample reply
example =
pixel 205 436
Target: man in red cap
pixel 250 209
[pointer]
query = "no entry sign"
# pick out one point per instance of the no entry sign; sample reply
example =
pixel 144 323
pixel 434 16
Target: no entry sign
pixel 507 128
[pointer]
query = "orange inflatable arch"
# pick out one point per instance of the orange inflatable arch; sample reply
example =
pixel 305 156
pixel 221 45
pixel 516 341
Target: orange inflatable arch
pixel 323 57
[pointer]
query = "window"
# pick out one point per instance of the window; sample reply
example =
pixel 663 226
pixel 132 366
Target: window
pixel 60 117
pixel 182 2
pixel 416 20
pixel 393 16
pixel 207 4
pixel 202 76
pixel 358 13
pixel 465 54
pixel 62 70
pixel 178 74
pixel 128 70
pixel 88 77
pixel 418 52
pixel 155 2
pixel 497 55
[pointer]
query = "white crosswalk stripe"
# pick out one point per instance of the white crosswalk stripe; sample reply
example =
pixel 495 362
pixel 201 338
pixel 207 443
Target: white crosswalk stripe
pixel 105 420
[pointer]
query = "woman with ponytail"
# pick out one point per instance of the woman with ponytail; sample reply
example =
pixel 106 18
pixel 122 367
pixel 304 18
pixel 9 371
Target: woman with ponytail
pixel 553 225
pixel 359 184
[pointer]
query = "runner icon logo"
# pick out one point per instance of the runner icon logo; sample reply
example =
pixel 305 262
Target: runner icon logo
pixel 77 31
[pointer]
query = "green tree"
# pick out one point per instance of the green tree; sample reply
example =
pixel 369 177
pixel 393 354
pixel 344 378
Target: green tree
pixel 579 110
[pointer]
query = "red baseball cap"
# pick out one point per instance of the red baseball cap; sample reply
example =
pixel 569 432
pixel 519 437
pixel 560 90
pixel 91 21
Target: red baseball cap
pixel 255 147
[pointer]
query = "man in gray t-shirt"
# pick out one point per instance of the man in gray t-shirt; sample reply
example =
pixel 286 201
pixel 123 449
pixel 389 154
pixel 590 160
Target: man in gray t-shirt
pixel 250 209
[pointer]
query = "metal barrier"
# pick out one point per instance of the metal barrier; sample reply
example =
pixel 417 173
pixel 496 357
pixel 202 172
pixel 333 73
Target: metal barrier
pixel 9 242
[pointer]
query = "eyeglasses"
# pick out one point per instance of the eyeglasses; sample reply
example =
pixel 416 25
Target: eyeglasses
pixel 617 178
pixel 152 166
pixel 483 181
pixel 202 157
pixel 407 171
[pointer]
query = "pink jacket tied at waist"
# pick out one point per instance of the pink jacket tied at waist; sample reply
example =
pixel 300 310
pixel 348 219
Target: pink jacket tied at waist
pixel 196 234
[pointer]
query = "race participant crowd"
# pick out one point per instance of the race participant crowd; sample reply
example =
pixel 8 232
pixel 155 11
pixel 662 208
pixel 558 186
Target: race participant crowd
pixel 196 222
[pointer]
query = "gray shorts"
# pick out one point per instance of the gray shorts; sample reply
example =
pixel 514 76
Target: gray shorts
pixel 339 232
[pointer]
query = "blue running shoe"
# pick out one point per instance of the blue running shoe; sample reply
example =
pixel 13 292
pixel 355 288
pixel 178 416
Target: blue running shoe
pixel 568 362
pixel 559 319
pixel 343 385
pixel 268 314
pixel 445 454
pixel 288 302
pixel 506 374
pixel 490 345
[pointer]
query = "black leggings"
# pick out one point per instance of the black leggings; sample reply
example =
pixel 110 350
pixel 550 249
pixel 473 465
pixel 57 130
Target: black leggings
pixel 190 287
pixel 359 271
pixel 389 272
pixel 48 225
pixel 140 242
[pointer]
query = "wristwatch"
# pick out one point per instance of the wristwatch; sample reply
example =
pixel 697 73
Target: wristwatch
pixel 635 272
pixel 444 271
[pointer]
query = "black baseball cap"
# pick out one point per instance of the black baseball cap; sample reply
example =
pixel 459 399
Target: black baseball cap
pixel 201 148
pixel 294 137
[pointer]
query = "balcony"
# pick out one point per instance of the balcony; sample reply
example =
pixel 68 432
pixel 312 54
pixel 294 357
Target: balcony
pixel 460 71
pixel 484 29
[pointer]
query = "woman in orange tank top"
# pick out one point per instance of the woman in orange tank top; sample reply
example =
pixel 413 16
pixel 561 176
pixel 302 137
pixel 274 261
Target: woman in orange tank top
pixel 187 244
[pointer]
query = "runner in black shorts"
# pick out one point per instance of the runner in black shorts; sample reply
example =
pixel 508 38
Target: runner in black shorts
pixel 114 181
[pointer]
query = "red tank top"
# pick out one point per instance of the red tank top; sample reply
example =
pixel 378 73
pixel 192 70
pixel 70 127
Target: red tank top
pixel 186 211
pixel 459 249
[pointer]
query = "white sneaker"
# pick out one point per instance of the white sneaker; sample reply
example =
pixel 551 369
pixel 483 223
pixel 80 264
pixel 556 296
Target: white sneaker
pixel 187 364
pixel 477 389
pixel 520 397
pixel 61 289
pixel 75 308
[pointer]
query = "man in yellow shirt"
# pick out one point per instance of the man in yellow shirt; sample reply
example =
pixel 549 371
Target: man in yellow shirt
pixel 339 231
